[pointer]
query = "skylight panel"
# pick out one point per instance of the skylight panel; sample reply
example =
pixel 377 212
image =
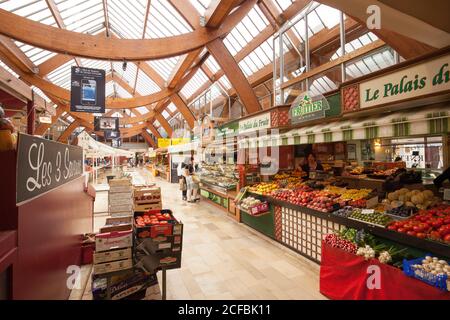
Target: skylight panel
pixel 34 10
pixel 121 92
pixel 4 66
pixel 165 114
pixel 283 4
pixel 164 66
pixel 96 64
pixel 314 23
pixel 194 84
pixel 145 85
pixel 129 75
pixel 128 17
pixel 165 21
pixel 212 64
pixel 81 15
pixel 117 114
pixel 172 108
pixel 61 75
pixel 142 110
pixel 109 89
pixel 42 94
pixel 201 5
pixel 330 16
pixel 225 82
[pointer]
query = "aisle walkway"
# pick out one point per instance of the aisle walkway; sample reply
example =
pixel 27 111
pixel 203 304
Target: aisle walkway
pixel 223 259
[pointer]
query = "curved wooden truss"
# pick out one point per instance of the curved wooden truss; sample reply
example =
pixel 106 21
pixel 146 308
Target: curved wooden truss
pixel 218 22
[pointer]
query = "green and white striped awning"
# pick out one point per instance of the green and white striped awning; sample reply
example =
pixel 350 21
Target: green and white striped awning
pixel 392 125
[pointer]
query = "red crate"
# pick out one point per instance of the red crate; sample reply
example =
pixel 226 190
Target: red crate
pixel 87 253
pixel 155 230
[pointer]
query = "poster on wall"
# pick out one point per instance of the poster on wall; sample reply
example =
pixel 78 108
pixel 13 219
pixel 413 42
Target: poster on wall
pixel 87 90
pixel 112 134
pixel 43 165
pixel 106 123
pixel 116 143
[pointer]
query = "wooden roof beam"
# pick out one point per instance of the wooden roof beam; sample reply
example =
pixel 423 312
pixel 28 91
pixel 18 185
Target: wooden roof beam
pixel 235 75
pixel 218 10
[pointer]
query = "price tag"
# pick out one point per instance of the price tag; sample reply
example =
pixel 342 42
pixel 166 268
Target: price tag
pixel 367 211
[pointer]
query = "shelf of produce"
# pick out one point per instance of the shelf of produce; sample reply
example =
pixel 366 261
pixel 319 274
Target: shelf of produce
pixel 434 247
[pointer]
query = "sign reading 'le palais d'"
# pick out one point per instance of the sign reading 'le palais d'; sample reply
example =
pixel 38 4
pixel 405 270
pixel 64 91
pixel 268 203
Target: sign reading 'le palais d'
pixel 43 165
pixel 255 123
pixel 419 80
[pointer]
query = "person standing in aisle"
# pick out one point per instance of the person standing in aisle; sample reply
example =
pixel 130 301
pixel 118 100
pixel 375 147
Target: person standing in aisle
pixel 189 184
pixel 182 180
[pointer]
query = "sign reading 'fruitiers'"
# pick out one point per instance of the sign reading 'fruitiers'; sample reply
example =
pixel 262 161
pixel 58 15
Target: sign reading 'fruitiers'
pixel 413 82
pixel 306 107
pixel 43 165
pixel 87 90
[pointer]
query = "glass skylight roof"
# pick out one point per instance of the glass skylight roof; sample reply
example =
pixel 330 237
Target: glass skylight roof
pixel 246 30
pixel 127 16
pixel 256 60
pixel 142 110
pixel 165 21
pixel 194 84
pixel 61 75
pixel 172 108
pixel 81 15
pixel 145 85
pixel 164 66
pixel 201 5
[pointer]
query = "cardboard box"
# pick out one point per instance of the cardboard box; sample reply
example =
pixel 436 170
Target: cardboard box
pixel 113 201
pixel 112 255
pixel 123 286
pixel 119 208
pixel 113 240
pixel 112 266
pixel 120 189
pixel 153 263
pixel 118 224
pixel 118 221
pixel 148 206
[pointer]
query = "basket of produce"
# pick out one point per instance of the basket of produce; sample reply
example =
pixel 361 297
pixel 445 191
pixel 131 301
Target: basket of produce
pixel 254 206
pixel 153 223
pixel 371 217
pixel 430 270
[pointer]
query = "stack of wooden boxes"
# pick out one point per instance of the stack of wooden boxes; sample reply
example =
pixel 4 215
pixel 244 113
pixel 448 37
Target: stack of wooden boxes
pixel 114 274
pixel 147 198
pixel 120 197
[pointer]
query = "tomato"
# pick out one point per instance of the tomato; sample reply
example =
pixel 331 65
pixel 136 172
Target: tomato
pixel 411 233
pixel 402 230
pixel 435 235
pixel 421 235
pixel 392 227
pixel 447 238
pixel 408 226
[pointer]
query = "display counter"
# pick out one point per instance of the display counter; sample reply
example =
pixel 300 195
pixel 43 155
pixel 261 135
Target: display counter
pixel 222 199
pixel 302 229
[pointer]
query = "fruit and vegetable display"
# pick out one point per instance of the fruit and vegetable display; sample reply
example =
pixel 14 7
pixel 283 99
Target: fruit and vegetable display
pixel 411 198
pixel 402 211
pixel 221 175
pixel 337 242
pixel 432 270
pixel 264 187
pixel 432 224
pixel 153 219
pixel 249 202
pixel 375 218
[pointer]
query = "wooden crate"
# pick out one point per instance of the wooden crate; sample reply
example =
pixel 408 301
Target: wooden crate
pixel 148 206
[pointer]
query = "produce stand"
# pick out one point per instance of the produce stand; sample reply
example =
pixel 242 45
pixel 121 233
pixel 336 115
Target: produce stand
pixel 344 276
pixel 303 229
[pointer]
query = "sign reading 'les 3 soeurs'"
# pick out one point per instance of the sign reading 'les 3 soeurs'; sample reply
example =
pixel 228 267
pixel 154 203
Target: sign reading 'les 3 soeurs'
pixel 43 165
pixel 419 80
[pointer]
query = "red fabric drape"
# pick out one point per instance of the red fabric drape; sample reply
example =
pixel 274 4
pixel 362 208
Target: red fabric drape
pixel 344 276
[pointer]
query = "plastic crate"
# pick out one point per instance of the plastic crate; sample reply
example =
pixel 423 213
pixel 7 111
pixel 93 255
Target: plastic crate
pixel 439 282
pixel 152 231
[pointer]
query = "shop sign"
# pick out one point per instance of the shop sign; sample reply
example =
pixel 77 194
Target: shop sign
pixel 43 119
pixel 227 130
pixel 255 123
pixel 419 80
pixel 87 90
pixel 177 141
pixel 307 107
pixel 43 165
pixel 164 142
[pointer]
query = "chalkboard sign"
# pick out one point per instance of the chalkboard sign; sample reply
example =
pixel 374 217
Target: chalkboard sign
pixel 43 165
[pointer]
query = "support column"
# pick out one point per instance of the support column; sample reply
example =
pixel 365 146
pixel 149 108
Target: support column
pixel 31 116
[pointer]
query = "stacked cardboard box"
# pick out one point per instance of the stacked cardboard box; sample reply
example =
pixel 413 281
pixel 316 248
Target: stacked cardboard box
pixel 120 197
pixel 158 247
pixel 114 274
pixel 147 198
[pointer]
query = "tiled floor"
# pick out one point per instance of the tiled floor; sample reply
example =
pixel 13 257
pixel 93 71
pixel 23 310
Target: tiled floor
pixel 223 259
